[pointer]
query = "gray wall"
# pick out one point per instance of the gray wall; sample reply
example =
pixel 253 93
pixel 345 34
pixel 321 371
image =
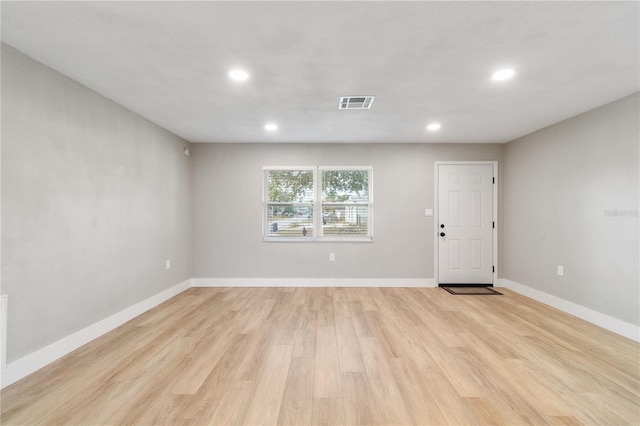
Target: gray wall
pixel 227 190
pixel 94 199
pixel 559 184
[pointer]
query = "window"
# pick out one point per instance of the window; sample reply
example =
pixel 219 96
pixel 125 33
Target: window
pixel 290 200
pixel 317 203
pixel 345 202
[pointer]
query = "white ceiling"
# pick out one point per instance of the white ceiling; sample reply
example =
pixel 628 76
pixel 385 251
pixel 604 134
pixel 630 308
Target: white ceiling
pixel 424 62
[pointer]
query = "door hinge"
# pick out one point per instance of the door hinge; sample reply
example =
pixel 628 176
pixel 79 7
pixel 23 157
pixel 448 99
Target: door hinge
pixel 494 269
pixel 494 180
pixel 494 225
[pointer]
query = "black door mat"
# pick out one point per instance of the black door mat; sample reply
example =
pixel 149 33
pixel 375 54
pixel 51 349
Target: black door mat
pixel 488 291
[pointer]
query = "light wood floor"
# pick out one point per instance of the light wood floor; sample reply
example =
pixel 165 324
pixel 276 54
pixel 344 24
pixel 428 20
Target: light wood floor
pixel 372 356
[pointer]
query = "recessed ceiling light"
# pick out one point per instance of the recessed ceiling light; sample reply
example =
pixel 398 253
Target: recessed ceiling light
pixel 238 75
pixel 503 74
pixel 271 127
pixel 433 127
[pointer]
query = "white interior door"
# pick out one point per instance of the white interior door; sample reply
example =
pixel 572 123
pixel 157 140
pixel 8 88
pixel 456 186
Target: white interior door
pixel 465 224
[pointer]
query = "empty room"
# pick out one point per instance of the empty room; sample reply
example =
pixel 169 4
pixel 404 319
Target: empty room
pixel 320 213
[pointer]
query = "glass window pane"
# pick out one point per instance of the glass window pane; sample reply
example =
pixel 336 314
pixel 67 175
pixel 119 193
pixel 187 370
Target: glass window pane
pixel 348 220
pixel 289 220
pixel 349 186
pixel 290 186
pixel 342 202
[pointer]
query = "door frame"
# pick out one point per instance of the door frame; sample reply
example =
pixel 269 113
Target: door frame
pixel 436 215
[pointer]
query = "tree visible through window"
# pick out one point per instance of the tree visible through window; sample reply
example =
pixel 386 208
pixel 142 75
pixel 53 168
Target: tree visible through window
pixel 345 202
pixel 290 203
pixel 317 203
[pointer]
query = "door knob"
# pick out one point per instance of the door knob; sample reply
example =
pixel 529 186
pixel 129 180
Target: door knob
pixel 442 234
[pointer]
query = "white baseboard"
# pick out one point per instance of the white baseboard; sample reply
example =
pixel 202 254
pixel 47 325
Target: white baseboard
pixel 36 360
pixel 605 321
pixel 26 365
pixel 32 362
pixel 313 282
pixel 4 300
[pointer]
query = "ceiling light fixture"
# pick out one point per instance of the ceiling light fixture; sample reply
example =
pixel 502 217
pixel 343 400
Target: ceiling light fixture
pixel 238 75
pixel 271 127
pixel 433 127
pixel 503 74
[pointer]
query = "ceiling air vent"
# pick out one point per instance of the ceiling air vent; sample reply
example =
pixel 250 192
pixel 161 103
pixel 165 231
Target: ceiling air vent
pixel 356 102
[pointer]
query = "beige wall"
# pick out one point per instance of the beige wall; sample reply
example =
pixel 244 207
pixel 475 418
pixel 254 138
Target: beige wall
pixel 94 200
pixel 227 188
pixel 559 185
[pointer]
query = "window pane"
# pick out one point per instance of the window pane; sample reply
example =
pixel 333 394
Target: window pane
pixel 295 208
pixel 290 186
pixel 348 220
pixel 345 186
pixel 289 220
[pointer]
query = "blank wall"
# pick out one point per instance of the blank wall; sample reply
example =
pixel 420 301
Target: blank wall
pixel 94 200
pixel 227 188
pixel 563 187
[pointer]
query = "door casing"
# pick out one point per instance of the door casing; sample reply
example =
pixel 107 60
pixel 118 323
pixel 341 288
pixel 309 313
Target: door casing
pixel 436 215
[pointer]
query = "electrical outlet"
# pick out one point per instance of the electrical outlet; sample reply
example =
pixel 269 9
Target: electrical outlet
pixel 332 257
pixel 561 270
pixel 167 264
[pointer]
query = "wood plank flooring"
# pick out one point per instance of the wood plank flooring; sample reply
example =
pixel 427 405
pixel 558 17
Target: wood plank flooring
pixel 334 356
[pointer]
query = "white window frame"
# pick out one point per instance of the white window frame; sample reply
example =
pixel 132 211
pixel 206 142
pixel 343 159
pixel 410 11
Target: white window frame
pixel 317 205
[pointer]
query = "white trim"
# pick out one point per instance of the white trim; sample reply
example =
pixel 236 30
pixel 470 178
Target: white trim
pixel 32 362
pixel 436 214
pixel 4 304
pixel 316 205
pixel 332 239
pixel 265 199
pixel 605 321
pixel 321 237
pixel 28 364
pixel 266 168
pixel 313 282
pixel 369 168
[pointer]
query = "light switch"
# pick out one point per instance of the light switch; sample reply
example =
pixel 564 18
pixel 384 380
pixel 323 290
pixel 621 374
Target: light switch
pixel 428 212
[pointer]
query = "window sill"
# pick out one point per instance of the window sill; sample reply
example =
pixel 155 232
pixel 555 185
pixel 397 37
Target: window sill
pixel 317 240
